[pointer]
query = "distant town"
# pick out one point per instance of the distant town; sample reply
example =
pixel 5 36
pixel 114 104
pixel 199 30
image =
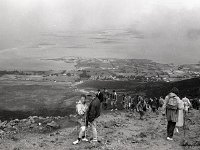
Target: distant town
pixel 107 69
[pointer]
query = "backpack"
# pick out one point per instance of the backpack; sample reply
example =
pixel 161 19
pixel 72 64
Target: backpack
pixel 172 103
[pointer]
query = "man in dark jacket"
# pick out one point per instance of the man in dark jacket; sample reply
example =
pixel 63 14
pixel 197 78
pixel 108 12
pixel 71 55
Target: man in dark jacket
pixel 100 97
pixel 92 114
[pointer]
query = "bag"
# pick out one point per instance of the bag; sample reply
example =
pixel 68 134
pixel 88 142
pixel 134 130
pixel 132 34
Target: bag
pixel 81 109
pixel 172 103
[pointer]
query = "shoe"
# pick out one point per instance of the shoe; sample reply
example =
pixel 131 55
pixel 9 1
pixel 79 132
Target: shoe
pixel 111 109
pixel 170 139
pixel 85 140
pixel 75 142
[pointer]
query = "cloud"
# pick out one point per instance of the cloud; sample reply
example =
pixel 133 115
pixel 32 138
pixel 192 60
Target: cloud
pixel 168 25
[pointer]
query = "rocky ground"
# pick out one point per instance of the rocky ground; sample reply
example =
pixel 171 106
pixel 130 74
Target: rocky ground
pixel 117 130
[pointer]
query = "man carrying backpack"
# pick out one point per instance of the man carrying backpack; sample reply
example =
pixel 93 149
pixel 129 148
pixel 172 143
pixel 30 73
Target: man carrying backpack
pixel 170 108
pixel 141 107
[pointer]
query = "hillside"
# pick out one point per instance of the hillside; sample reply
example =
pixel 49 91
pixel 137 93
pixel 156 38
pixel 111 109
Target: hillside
pixel 116 131
pixel 189 87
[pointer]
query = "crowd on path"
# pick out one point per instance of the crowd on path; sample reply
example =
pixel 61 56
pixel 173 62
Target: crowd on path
pixel 172 107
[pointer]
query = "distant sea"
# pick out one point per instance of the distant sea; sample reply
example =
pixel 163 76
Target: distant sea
pixel 27 54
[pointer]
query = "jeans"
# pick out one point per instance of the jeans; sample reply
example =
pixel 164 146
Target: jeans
pixel 82 122
pixel 82 132
pixel 170 129
pixel 94 130
pixel 141 114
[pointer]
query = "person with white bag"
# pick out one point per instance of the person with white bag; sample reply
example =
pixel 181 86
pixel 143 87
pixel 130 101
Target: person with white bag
pixel 81 109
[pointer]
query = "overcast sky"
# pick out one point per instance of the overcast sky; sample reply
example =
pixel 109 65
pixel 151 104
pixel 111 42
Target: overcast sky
pixel 174 24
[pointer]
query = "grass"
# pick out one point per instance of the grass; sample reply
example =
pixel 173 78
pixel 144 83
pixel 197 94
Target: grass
pixel 22 100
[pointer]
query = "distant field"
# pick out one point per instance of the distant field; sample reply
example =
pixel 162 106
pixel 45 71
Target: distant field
pixel 126 86
pixel 19 99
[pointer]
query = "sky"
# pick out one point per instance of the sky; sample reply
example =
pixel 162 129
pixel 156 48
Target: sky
pixel 162 30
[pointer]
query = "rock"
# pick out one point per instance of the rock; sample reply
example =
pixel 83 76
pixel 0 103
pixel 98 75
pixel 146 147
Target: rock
pixel 42 144
pixel 51 134
pixel 1 131
pixel 3 124
pixel 53 125
pixel 14 138
pixel 10 128
pixel 142 135
pixel 197 143
pixel 16 120
pixel 31 119
pixel 52 141
pixel 33 125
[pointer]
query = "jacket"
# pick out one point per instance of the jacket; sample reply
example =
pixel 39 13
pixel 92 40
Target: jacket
pixel 172 115
pixel 93 110
pixel 100 96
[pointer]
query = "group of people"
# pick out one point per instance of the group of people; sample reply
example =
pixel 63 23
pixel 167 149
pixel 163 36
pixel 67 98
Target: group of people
pixel 106 97
pixel 111 100
pixel 172 107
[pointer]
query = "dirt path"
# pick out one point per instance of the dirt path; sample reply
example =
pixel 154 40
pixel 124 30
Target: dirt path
pixel 117 130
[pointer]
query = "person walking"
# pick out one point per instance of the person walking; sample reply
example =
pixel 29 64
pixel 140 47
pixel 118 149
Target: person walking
pixel 153 105
pixel 141 107
pixel 99 95
pixel 123 101
pixel 81 109
pixel 170 109
pixel 157 103
pixel 105 98
pixel 161 102
pixel 187 104
pixel 129 102
pixel 180 116
pixel 134 103
pixel 92 116
pixel 114 100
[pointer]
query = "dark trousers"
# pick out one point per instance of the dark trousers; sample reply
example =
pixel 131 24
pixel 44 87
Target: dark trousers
pixel 141 114
pixel 170 129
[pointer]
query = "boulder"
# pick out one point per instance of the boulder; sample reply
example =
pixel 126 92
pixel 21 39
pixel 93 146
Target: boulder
pixel 53 125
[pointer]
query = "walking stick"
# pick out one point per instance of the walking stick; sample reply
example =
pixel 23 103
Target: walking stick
pixel 184 124
pixel 85 126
